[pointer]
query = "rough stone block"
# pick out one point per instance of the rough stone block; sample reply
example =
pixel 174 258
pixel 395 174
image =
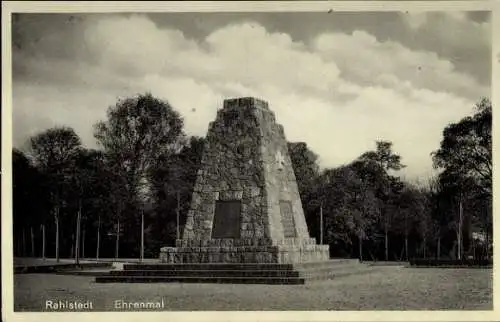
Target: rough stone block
pixel 246 226
pixel 245 216
pixel 246 235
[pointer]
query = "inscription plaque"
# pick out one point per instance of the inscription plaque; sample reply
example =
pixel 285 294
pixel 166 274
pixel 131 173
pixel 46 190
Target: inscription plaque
pixel 227 219
pixel 287 219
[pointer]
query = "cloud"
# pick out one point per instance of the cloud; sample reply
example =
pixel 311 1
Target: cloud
pixel 416 19
pixel 390 63
pixel 461 37
pixel 338 94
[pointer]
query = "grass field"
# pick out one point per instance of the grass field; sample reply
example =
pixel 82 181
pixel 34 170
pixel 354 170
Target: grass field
pixel 388 288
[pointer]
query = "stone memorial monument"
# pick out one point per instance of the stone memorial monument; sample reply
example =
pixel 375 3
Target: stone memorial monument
pixel 245 206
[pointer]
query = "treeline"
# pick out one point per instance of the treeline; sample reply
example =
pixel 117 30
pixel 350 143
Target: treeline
pixel 130 196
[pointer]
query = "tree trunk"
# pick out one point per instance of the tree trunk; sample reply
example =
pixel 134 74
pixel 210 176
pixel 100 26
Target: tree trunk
pixel 77 239
pixel 459 237
pixel 32 242
pixel 439 248
pixel 406 235
pixel 142 236
pixel 473 248
pixel 371 255
pixel 425 247
pixel 321 225
pixel 57 233
pixel 83 243
pixel 72 249
pixel 386 245
pixel 487 244
pixel 24 244
pixel 178 209
pixel 406 247
pixel 98 237
pixel 360 248
pixel 43 241
pixel 117 245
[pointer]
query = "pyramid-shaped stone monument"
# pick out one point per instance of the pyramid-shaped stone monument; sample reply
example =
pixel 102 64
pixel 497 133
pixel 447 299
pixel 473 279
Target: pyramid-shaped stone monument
pixel 245 206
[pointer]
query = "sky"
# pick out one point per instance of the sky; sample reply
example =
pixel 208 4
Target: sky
pixel 338 81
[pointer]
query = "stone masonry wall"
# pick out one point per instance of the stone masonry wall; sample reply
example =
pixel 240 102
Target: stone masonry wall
pixel 246 159
pixel 232 169
pixel 280 177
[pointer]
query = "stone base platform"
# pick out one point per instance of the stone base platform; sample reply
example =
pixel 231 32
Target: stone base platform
pixel 236 273
pixel 245 251
pixel 44 268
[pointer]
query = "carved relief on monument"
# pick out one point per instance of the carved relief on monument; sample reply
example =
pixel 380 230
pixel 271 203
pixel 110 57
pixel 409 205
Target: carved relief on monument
pixel 287 219
pixel 280 160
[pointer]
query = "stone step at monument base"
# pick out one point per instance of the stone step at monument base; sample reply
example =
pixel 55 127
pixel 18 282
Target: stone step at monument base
pixel 190 279
pixel 208 273
pixel 335 263
pixel 235 273
pixel 327 274
pixel 208 266
pixel 302 251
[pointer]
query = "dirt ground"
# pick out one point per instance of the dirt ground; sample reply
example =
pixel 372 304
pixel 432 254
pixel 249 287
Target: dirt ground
pixel 388 288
